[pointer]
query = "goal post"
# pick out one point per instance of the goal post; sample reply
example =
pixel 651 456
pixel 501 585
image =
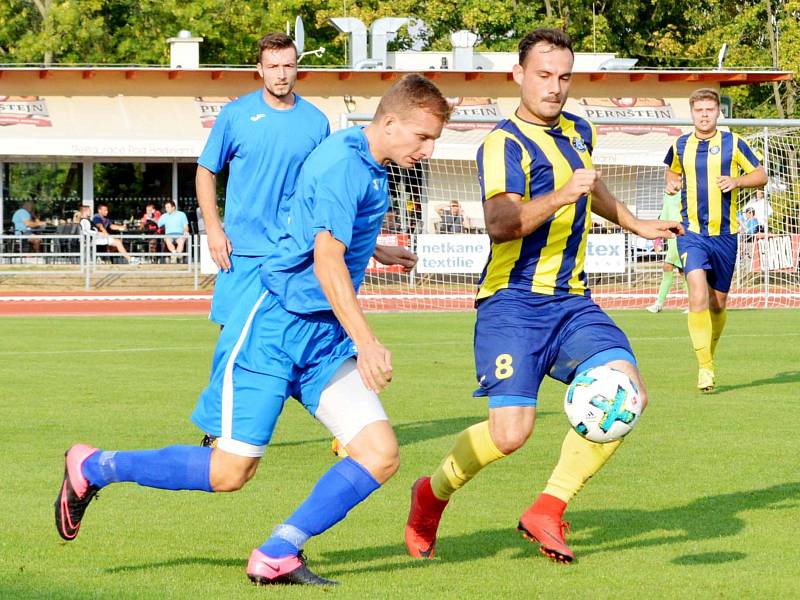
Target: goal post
pixel 436 210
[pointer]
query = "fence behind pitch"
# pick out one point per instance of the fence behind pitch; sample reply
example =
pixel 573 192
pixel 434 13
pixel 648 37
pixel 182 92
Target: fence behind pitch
pixel 623 270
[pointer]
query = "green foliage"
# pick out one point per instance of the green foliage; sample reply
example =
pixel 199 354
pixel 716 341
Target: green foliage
pixel 659 34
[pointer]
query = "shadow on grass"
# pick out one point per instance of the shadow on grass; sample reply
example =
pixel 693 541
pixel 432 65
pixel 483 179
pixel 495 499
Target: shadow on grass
pixel 785 377
pixel 708 558
pixel 418 431
pixel 603 531
pixel 186 561
pixel 606 531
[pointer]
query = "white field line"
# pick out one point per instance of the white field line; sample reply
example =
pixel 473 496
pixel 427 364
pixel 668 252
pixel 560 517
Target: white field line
pixel 123 298
pixel 393 345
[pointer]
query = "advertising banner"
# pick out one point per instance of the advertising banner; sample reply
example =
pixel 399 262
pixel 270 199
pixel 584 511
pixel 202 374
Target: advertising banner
pixel 605 253
pixel 456 253
pixel 776 253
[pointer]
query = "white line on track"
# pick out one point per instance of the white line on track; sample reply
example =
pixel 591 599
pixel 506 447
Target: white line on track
pixel 119 298
pixel 109 350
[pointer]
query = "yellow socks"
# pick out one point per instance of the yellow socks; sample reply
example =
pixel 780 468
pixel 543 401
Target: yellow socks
pixel 579 460
pixel 473 450
pixel 718 320
pixel 700 330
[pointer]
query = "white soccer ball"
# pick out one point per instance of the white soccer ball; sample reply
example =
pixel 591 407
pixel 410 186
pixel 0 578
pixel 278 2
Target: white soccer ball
pixel 602 404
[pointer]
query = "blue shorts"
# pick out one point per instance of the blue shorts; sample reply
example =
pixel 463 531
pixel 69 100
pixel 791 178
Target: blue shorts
pixel 240 285
pixel 520 337
pixel 263 356
pixel 716 255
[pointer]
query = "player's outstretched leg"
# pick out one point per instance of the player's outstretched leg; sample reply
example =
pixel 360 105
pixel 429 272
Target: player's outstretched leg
pixel 88 470
pixel 473 450
pixel 542 522
pixel 75 494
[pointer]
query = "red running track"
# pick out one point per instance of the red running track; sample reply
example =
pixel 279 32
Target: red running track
pixel 93 304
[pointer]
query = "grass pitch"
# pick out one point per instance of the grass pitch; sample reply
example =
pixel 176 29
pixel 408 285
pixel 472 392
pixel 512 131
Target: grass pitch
pixel 701 501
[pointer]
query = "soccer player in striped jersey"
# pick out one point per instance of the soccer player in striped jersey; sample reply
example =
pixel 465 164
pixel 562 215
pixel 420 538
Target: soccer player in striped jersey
pixel 707 167
pixel 305 336
pixel 535 314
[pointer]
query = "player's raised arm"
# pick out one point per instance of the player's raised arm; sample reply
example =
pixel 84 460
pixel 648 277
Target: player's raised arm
pixel 374 361
pixel 607 206
pixel 507 218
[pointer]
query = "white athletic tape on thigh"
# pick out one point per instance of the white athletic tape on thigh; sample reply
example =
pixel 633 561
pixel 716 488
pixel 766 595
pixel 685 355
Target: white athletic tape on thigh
pixel 346 406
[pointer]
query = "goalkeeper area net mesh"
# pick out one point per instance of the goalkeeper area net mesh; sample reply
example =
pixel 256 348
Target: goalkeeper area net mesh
pixel 436 210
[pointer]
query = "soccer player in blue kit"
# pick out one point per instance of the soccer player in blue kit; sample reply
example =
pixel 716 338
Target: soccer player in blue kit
pixel 304 336
pixel 264 136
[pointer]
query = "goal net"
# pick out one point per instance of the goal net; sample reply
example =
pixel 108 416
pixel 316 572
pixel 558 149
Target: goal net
pixel 436 211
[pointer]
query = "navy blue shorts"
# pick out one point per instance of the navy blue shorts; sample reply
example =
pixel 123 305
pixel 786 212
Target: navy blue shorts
pixel 716 255
pixel 520 337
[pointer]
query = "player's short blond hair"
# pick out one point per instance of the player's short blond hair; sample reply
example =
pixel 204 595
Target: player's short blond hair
pixel 413 92
pixel 704 94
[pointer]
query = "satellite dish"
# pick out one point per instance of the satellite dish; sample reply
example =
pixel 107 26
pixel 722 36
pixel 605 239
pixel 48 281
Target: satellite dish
pixel 299 35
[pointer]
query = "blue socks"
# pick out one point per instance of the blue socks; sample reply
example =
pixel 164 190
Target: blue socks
pixel 171 468
pixel 342 487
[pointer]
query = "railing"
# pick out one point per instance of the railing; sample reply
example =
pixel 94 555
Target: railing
pixel 92 255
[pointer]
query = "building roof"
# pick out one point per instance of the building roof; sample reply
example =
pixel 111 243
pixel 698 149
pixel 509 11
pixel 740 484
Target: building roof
pixel 724 78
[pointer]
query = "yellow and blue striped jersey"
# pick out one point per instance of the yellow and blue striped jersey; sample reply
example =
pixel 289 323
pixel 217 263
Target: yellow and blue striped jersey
pixel 705 209
pixel 533 160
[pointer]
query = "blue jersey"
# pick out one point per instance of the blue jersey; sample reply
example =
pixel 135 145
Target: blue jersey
pixel 340 189
pixel 265 148
pixel 174 222
pixel 20 216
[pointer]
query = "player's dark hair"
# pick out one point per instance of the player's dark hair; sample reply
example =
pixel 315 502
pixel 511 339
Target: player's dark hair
pixel 413 92
pixel 275 41
pixel 170 202
pixel 554 37
pixel 704 94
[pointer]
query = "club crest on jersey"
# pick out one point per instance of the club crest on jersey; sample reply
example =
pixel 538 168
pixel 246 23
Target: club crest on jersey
pixel 714 150
pixel 376 184
pixel 579 144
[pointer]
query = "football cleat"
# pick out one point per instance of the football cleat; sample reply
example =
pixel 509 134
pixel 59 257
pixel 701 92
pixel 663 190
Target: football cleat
pixel 289 570
pixel 705 380
pixel 423 519
pixel 655 308
pixel 338 449
pixel 209 441
pixel 549 532
pixel 75 494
